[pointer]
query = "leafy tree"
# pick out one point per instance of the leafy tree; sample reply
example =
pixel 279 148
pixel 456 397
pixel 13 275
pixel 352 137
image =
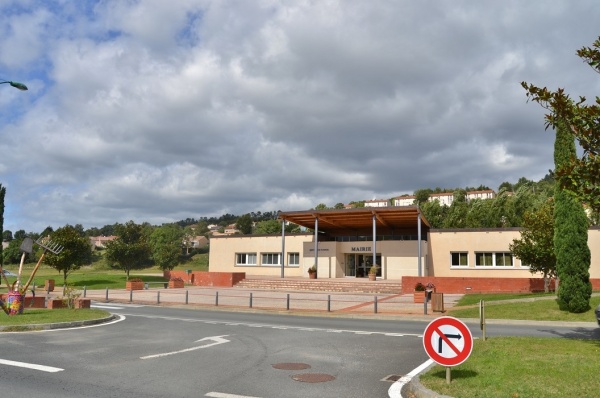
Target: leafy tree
pixel 130 250
pixel 76 252
pixel 244 224
pixel 579 176
pixel 2 195
pixel 570 236
pixel 422 195
pixel 12 254
pixel 165 243
pixel 339 206
pixel 20 234
pixel 7 236
pixel 321 206
pixel 268 227
pixel 434 213
pixel 536 245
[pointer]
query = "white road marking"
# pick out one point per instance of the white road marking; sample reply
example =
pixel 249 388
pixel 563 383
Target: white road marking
pixel 223 395
pixel 34 366
pixel 106 307
pixel 215 340
pixel 395 391
pixel 278 327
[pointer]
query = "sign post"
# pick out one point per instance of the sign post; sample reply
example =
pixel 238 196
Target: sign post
pixel 448 341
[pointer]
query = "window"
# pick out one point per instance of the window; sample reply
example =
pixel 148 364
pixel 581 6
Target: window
pixel 245 259
pixel 493 260
pixel 293 259
pixel 484 259
pixel 271 259
pixel 504 260
pixel 459 259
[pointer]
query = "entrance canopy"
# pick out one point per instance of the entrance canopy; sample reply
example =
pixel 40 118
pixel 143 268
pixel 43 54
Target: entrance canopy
pixel 395 220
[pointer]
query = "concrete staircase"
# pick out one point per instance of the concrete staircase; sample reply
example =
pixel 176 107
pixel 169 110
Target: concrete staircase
pixel 322 285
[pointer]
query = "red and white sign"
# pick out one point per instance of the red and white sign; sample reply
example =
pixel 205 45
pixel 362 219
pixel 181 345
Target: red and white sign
pixel 448 341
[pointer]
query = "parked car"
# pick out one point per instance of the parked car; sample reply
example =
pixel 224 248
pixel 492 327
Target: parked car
pixel 8 273
pixel 598 314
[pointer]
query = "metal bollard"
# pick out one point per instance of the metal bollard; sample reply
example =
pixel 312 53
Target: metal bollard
pixel 158 297
pixel 288 302
pixel 250 299
pixel 329 303
pixel 84 291
pixel 425 306
pixel 131 295
pixel 186 296
pixel 107 294
pixel 375 305
pixel 217 298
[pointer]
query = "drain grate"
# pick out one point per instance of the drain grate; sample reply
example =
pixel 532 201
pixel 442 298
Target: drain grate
pixel 313 377
pixel 392 378
pixel 291 366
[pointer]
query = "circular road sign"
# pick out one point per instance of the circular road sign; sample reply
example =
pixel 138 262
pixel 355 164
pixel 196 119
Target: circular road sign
pixel 448 341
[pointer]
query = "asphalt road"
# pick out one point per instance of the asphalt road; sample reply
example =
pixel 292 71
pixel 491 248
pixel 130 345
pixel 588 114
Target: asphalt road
pixel 171 352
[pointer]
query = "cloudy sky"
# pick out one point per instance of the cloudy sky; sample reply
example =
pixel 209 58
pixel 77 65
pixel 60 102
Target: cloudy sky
pixel 156 110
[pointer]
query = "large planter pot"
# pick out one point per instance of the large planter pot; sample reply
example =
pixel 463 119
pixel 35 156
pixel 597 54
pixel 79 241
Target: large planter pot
pixel 175 284
pixel 372 277
pixel 14 303
pixel 49 285
pixel 134 285
pixel 56 303
pixel 419 296
pixel 312 275
pixel 82 303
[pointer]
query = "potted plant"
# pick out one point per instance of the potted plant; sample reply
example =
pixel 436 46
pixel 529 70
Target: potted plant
pixel 134 284
pixel 373 272
pixel 175 283
pixel 419 293
pixel 312 272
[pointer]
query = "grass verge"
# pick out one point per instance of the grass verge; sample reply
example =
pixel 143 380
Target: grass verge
pixel 521 367
pixel 36 316
pixel 543 308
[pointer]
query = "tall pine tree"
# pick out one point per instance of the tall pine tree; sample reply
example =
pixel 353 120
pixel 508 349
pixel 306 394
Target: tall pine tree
pixel 570 235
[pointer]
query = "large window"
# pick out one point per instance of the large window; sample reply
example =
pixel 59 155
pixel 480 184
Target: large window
pixel 271 259
pixel 504 260
pixel 459 259
pixel 245 259
pixel 293 259
pixel 494 259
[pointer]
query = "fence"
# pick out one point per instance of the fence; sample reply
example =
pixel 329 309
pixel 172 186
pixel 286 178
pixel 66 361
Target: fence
pixel 266 300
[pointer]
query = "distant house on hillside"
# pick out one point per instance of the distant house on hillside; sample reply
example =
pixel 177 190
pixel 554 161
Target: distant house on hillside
pixel 377 203
pixel 445 198
pixel 99 242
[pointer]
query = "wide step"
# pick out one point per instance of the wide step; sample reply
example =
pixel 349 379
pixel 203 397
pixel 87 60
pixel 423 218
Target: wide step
pixel 322 285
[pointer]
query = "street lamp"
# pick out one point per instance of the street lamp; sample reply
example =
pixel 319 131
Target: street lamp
pixel 18 85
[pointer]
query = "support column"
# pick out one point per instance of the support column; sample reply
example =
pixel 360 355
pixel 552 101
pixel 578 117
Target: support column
pixel 420 265
pixel 317 243
pixel 282 247
pixel 375 241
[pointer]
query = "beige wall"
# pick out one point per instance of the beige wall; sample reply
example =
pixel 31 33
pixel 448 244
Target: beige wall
pixel 399 258
pixel 223 250
pixel 443 242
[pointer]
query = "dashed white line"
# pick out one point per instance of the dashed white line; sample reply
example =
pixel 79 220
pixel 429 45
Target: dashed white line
pixel 34 366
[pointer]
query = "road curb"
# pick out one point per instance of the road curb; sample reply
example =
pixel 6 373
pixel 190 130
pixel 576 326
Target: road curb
pixel 58 325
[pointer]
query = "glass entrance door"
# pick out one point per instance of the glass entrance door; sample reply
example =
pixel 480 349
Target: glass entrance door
pixel 359 264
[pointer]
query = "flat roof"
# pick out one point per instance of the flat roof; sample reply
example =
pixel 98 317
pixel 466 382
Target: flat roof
pixel 389 220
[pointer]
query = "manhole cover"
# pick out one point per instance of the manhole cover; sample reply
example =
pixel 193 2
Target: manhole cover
pixel 313 377
pixel 291 366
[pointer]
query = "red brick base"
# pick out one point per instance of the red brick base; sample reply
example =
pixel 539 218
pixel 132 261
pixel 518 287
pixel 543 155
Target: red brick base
pixel 198 278
pixel 481 285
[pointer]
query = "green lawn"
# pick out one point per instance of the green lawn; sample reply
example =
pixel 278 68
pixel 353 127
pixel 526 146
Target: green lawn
pixel 521 367
pixel 36 316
